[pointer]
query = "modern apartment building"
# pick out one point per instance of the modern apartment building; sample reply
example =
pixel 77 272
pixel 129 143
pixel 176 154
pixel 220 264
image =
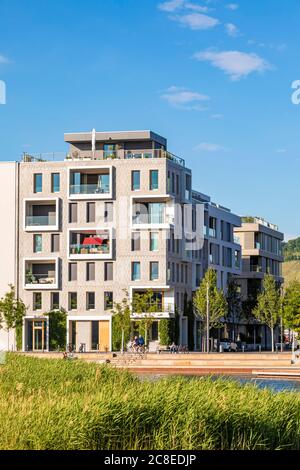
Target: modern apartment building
pixel 261 244
pixel 105 219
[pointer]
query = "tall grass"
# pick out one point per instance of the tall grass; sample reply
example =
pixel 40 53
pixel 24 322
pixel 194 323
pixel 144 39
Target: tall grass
pixel 55 404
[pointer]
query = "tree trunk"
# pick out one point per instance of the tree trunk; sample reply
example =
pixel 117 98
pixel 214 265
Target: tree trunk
pixel 8 339
pixel 272 338
pixel 122 342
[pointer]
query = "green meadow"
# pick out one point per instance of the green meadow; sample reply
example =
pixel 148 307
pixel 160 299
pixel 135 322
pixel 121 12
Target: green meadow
pixel 56 404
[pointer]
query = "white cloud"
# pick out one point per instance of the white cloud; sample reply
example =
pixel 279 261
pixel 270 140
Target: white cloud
pixel 182 98
pixel 195 7
pixel 3 59
pixel 209 147
pixel 196 21
pixel 217 116
pixel 234 63
pixel 232 6
pixel 171 5
pixel 281 150
pixel 231 29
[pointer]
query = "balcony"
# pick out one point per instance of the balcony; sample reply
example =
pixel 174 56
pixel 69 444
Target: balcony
pixel 41 273
pixel 117 153
pixel 158 153
pixel 146 214
pixel 255 268
pixel 156 303
pixel 90 244
pixel 41 215
pixel 90 183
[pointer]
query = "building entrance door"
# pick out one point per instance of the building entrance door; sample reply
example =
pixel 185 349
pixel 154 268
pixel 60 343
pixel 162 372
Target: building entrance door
pixel 38 335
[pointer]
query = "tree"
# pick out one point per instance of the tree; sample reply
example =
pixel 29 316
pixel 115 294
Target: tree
pixel 57 329
pixel 144 303
pixel 268 307
pixel 234 304
pixel 12 311
pixel 291 306
pixel 166 330
pixel 209 303
pixel 188 311
pixel 121 319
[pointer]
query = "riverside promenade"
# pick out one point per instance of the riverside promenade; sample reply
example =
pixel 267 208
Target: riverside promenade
pixel 255 364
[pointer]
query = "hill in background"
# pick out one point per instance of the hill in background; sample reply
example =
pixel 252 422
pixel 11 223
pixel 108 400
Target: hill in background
pixel 291 265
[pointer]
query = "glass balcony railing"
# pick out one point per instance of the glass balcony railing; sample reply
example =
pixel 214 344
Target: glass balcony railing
pixel 34 221
pixel 47 278
pixel 89 249
pixel 157 307
pixel 154 154
pixel 255 268
pixel 89 189
pixel 149 219
pixel 212 232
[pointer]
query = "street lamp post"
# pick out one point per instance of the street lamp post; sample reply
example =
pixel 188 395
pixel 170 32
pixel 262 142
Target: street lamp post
pixel 207 317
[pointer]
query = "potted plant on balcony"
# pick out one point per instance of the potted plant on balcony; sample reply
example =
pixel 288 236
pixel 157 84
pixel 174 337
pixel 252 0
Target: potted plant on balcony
pixel 30 279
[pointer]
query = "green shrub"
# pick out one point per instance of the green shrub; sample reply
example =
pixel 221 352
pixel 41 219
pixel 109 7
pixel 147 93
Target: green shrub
pixel 166 331
pixel 57 330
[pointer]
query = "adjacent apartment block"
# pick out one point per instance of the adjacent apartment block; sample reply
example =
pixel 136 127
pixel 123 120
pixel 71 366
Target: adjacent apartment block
pixel 105 219
pixel 261 244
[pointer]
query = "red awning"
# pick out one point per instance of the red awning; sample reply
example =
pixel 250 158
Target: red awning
pixel 93 241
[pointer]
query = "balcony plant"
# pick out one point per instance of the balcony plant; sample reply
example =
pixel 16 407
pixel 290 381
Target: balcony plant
pixel 30 279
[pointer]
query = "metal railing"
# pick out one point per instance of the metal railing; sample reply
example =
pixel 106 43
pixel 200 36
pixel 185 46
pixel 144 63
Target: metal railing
pixel 89 189
pixel 78 249
pixel 34 221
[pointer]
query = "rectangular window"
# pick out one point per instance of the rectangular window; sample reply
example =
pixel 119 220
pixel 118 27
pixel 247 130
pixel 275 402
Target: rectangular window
pixel 177 272
pixel 135 241
pixel 177 185
pixel 95 335
pixel 108 300
pixel 90 212
pixel 108 212
pixel 72 271
pixel 72 300
pixel 90 271
pixel 55 182
pixel 153 241
pixel 90 300
pixel 153 271
pixel 173 183
pixel 54 243
pixel 73 212
pixel 136 271
pixel 135 180
pixel 54 300
pixel 108 272
pixel 110 151
pixel 169 272
pixel 37 301
pixel 153 179
pixel 38 182
pixel 37 243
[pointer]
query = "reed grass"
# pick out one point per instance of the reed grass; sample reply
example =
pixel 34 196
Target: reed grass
pixel 55 404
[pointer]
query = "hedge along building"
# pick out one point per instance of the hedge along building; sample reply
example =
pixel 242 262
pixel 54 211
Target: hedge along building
pixel 109 216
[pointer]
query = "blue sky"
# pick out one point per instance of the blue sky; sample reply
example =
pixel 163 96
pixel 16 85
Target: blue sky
pixel 214 77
